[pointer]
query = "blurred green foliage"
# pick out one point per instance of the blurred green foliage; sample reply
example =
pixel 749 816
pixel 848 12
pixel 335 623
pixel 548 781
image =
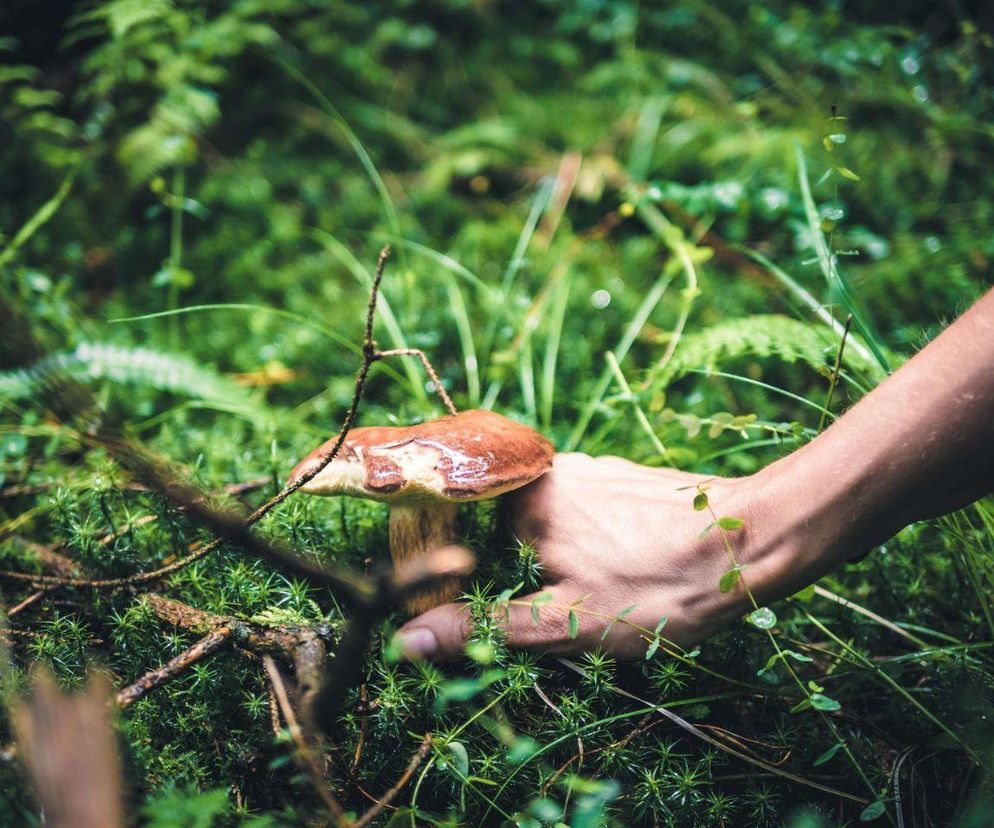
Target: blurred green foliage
pixel 544 172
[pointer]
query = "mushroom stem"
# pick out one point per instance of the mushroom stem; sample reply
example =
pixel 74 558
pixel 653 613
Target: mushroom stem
pixel 416 528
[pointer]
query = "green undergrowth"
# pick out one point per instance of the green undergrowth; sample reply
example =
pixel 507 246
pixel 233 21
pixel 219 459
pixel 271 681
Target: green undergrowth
pixel 639 229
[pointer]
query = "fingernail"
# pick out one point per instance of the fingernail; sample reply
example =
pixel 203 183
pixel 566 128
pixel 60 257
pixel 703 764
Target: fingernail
pixel 417 643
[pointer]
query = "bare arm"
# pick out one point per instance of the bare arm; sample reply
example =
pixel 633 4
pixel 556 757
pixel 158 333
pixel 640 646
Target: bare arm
pixel 920 445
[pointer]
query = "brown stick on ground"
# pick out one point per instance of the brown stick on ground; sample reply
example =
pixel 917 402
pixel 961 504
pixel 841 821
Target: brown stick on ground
pixel 68 747
pixel 154 678
pixel 304 647
pixel 405 777
pixel 305 756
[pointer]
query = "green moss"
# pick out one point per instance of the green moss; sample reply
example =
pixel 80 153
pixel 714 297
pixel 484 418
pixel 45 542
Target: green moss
pixel 242 162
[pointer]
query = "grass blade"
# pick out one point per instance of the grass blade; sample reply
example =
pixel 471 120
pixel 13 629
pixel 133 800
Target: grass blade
pixel 620 351
pixel 389 208
pixel 41 215
pixel 465 330
pixel 827 261
pixel 557 317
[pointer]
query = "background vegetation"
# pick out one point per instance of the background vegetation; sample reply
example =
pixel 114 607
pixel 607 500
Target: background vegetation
pixel 559 181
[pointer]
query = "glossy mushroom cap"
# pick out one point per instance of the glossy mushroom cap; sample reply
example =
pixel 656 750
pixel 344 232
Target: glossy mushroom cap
pixel 472 455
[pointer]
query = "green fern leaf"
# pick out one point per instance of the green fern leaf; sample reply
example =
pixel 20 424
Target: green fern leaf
pixel 762 335
pixel 142 367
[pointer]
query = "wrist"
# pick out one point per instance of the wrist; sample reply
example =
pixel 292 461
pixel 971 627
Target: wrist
pixel 806 521
pixel 771 549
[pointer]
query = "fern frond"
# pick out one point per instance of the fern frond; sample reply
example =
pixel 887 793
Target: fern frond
pixel 761 335
pixel 141 367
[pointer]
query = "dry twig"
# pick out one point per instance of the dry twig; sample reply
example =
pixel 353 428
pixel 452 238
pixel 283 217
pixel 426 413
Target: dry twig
pixel 405 777
pixel 304 647
pixel 429 370
pixel 204 647
pixel 305 756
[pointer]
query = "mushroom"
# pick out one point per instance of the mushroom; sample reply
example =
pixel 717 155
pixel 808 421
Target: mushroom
pixel 424 471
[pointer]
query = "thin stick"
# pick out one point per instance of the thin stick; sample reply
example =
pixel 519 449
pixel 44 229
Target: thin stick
pixel 405 777
pixel 110 583
pixel 370 355
pixel 304 755
pixel 429 369
pixel 172 668
pixel 363 709
pixel 835 373
pixel 34 596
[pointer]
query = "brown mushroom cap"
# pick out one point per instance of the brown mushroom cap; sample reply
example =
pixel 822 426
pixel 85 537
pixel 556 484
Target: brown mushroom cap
pixel 472 455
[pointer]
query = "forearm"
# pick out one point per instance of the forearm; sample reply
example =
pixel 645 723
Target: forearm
pixel 919 445
pixel 612 534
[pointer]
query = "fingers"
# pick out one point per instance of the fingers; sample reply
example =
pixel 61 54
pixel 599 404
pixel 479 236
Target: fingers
pixel 440 634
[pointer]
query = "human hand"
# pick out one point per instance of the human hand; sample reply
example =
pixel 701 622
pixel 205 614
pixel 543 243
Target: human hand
pixel 614 534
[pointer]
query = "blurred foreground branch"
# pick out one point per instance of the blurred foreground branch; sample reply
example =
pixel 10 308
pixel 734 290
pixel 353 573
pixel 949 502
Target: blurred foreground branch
pixel 68 747
pixel 371 598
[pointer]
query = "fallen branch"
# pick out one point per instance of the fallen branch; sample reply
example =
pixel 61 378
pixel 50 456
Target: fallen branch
pixel 204 647
pixel 305 756
pixel 405 777
pixel 304 647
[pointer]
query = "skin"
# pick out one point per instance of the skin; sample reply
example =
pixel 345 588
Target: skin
pixel 919 445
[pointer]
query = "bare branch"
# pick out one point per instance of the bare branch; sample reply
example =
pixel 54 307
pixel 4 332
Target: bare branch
pixel 429 370
pixel 305 756
pixel 172 668
pixel 405 777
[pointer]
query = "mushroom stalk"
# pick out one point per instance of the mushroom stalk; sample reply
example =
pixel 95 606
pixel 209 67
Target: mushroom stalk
pixel 417 528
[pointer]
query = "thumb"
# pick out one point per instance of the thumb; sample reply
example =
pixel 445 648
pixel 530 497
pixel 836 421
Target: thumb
pixel 440 634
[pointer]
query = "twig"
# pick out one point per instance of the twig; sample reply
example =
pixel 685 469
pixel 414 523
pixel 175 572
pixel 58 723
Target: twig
pixel 110 583
pixel 835 373
pixel 32 598
pixel 429 369
pixel 405 777
pixel 304 647
pixel 304 754
pixel 72 399
pixel 363 710
pixel 279 640
pixel 369 356
pixel 172 668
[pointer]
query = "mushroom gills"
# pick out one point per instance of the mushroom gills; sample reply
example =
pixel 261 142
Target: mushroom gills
pixel 417 528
